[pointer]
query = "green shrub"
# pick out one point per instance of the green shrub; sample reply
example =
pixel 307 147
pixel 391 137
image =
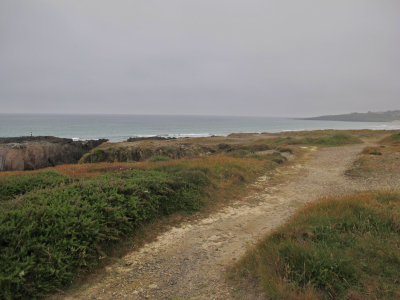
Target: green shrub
pixel 338 139
pixel 11 186
pixel 250 148
pixel 98 155
pixel 196 177
pixel 285 150
pixel 396 137
pixel 48 235
pixel 276 157
pixel 224 146
pixel 238 153
pixel 257 156
pixel 158 158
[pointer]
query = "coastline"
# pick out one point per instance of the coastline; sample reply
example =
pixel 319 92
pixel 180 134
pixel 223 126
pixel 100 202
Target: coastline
pixel 119 128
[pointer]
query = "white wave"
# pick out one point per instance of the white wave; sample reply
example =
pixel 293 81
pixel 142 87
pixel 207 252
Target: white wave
pixel 75 139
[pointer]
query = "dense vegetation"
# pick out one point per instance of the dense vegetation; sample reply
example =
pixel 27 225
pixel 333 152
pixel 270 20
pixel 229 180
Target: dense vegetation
pixel 337 139
pixel 53 227
pixel 48 234
pixel 345 248
pixel 15 185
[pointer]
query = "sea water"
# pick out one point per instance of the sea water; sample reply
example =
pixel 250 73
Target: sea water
pixel 118 128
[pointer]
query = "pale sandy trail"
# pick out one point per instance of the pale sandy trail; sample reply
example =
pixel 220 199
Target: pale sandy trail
pixel 190 262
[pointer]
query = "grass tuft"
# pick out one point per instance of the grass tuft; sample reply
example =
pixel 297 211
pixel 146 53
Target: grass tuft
pixel 334 140
pixel 335 248
pixel 158 158
pixel 393 139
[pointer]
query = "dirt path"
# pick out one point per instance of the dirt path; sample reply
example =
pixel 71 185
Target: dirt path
pixel 189 262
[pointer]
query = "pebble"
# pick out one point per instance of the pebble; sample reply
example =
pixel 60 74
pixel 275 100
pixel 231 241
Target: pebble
pixel 152 286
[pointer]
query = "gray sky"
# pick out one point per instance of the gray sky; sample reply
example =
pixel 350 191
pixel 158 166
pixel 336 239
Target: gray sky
pixel 208 57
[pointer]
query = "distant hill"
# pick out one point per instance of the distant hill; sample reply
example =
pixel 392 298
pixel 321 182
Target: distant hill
pixel 378 116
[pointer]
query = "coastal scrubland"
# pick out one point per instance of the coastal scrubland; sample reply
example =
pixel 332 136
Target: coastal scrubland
pixel 57 225
pixel 343 247
pixel 334 248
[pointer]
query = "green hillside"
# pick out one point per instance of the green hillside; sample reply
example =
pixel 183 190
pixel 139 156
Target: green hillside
pixel 387 116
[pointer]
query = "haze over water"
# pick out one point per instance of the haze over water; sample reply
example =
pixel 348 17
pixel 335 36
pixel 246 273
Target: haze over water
pixel 118 128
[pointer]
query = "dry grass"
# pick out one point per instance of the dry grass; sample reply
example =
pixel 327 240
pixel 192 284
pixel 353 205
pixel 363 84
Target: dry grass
pixel 393 139
pixel 335 248
pixel 360 133
pixel 378 162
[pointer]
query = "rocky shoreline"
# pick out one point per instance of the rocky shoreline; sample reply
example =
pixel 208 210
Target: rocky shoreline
pixel 32 153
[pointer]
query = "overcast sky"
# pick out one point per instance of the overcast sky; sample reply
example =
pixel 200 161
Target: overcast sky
pixel 209 57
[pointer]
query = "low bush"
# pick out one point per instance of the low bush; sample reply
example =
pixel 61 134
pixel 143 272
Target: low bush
pixel 158 158
pixel 275 157
pixel 238 153
pixel 338 139
pixel 12 186
pixel 285 150
pixel 47 235
pixel 223 146
pixel 249 148
pixel 98 155
pixel 393 139
pixel 371 151
pixel 335 248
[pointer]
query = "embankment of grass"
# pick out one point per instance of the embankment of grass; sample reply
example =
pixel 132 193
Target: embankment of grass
pixel 54 228
pixel 393 139
pixel 334 248
pixel 381 162
pixel 334 140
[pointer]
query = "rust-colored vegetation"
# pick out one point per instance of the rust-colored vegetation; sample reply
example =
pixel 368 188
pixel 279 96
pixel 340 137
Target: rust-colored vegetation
pixel 377 162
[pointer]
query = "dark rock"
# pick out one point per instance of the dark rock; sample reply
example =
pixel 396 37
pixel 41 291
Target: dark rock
pixel 32 153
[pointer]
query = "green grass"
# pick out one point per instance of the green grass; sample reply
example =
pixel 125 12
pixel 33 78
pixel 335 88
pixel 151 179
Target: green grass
pixel 334 140
pixel 275 157
pixel 393 139
pixel 158 158
pixel 285 150
pixel 346 248
pixel 54 228
pixel 11 186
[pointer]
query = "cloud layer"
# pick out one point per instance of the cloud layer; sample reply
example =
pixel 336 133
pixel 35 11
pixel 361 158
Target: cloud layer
pixel 218 57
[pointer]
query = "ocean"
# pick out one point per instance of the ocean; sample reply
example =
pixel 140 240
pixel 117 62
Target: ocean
pixel 117 128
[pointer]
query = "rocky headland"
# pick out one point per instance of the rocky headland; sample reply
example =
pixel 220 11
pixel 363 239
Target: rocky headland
pixel 32 153
pixel 142 150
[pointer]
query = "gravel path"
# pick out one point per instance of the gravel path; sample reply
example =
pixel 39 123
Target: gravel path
pixel 190 262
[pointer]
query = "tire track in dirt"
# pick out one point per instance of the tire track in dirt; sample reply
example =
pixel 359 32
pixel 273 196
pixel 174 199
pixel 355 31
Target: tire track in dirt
pixel 190 262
